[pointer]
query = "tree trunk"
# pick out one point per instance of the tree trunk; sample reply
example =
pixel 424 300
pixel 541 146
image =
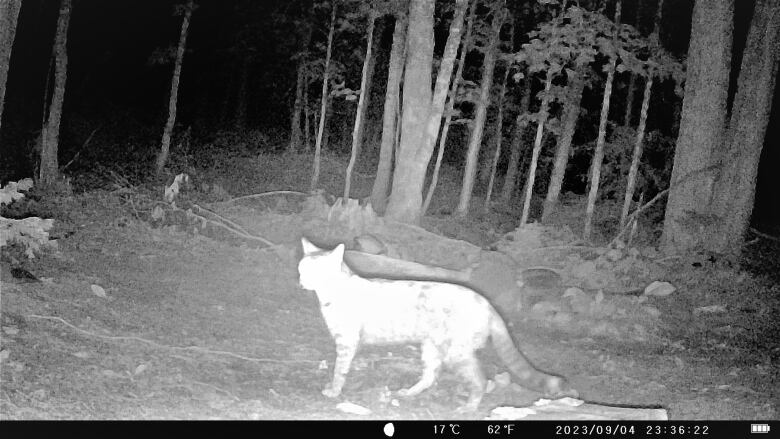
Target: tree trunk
pixel 326 130
pixel 315 177
pixel 230 83
pixel 510 179
pixel 598 154
pixel 659 11
pixel 570 117
pixel 636 157
pixel 629 99
pixel 300 83
pixel 239 122
pixel 640 135
pixel 162 157
pixel 475 142
pixel 465 47
pixel 49 170
pixel 295 120
pixel 735 188
pixel 499 138
pixel 9 13
pixel 421 116
pixel 389 119
pixel 357 131
pixel 369 80
pixel 702 123
pixel 306 116
pixel 529 188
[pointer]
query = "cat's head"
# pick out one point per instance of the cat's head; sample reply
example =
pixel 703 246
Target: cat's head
pixel 319 266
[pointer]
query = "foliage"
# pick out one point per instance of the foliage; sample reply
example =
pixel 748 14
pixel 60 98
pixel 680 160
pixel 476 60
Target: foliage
pixel 577 38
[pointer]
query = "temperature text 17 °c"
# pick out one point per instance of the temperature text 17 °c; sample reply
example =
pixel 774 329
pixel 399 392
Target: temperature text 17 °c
pixel 446 429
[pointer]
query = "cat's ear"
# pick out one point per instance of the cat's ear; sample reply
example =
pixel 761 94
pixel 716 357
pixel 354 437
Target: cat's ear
pixel 308 247
pixel 338 252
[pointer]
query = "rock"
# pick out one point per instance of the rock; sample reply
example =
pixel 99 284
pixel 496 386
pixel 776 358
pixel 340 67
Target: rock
pixel 574 292
pixel 353 409
pixel 562 318
pixel 579 301
pixel 614 255
pixel 650 252
pixel 659 289
pixel 651 310
pixel 540 278
pixel 584 270
pixel 545 307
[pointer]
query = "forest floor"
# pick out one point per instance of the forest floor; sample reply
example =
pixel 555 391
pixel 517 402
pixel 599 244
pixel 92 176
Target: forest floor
pixel 136 318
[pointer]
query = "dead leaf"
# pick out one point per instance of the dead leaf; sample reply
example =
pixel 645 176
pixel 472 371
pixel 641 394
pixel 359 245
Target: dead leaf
pixel 659 289
pixel 158 213
pixel 140 369
pixel 98 290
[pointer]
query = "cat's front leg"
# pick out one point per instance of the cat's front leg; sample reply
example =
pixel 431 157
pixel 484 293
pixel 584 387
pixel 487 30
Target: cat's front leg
pixel 345 352
pixel 431 364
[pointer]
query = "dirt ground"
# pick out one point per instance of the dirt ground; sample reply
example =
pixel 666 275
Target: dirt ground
pixel 135 319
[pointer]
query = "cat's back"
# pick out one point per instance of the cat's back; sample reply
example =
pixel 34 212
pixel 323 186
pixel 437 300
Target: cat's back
pixel 419 294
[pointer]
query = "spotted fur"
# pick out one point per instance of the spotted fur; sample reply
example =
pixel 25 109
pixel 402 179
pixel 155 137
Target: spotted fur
pixel 449 321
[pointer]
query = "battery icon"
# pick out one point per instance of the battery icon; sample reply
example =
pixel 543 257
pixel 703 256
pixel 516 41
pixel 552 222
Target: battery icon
pixel 759 428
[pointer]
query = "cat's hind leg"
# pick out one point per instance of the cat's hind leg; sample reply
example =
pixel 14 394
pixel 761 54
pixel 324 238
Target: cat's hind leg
pixel 432 361
pixel 467 366
pixel 346 347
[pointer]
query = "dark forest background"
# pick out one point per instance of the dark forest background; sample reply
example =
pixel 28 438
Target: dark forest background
pixel 114 83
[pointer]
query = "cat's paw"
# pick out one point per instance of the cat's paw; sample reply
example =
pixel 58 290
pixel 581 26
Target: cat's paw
pixel 404 393
pixel 331 392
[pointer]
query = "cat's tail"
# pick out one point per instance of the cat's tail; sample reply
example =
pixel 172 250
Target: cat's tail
pixel 529 376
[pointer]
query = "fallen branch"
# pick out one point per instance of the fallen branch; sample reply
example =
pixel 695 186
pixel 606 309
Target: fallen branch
pixel 83 145
pixel 764 235
pixel 245 235
pixel 565 247
pixel 425 232
pixel 633 216
pixel 238 227
pixel 265 194
pixel 173 348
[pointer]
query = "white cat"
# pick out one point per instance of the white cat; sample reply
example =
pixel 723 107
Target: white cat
pixel 449 321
